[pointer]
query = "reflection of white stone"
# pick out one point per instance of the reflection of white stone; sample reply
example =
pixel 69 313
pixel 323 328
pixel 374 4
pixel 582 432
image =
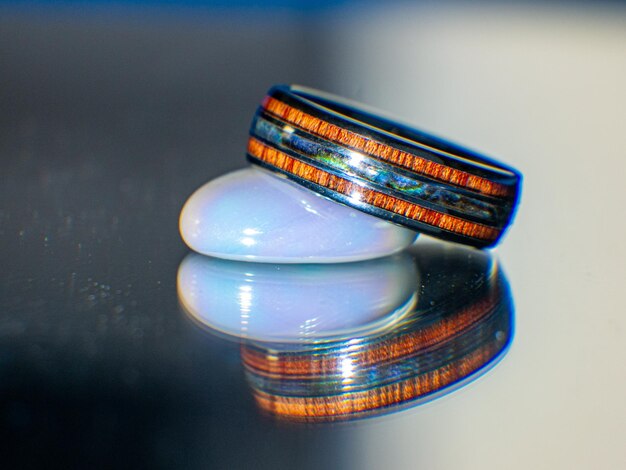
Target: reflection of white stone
pixel 251 215
pixel 297 303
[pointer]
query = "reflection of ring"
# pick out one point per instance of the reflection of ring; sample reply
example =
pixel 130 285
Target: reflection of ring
pixel 383 168
pixel 459 329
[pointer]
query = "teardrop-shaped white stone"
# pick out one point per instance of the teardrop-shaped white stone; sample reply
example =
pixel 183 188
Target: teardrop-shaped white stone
pixel 252 215
pixel 297 303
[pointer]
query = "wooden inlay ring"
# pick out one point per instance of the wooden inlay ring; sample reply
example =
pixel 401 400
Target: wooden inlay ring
pixel 406 151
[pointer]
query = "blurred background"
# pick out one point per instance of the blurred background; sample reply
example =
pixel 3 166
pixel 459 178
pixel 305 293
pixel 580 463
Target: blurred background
pixel 112 113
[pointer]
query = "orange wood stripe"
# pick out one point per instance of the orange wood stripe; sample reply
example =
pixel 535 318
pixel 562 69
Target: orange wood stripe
pixel 383 151
pixel 270 365
pixel 369 196
pixel 368 400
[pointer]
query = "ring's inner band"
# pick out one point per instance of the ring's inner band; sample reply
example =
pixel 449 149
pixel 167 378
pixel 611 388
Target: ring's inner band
pixel 377 173
pixel 358 113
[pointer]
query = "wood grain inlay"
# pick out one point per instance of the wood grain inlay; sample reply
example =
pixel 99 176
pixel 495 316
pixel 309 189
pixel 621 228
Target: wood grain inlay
pixel 384 152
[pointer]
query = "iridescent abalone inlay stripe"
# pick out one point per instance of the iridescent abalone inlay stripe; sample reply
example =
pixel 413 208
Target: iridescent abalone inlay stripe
pixel 372 171
pixel 385 152
pixel 363 195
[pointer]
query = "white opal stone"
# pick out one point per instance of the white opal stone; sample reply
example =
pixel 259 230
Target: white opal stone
pixel 297 303
pixel 253 215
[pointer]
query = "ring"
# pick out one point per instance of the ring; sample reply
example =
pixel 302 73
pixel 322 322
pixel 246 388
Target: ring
pixel 346 153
